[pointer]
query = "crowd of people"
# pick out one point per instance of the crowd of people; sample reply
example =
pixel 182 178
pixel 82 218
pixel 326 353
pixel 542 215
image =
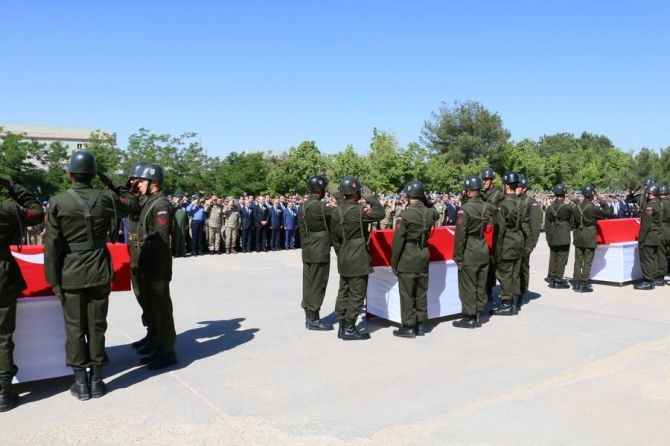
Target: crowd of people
pixel 75 227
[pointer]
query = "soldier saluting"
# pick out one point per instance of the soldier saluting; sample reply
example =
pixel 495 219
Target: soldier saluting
pixel 410 258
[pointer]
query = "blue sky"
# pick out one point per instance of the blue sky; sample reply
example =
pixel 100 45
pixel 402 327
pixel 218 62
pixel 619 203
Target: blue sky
pixel 266 75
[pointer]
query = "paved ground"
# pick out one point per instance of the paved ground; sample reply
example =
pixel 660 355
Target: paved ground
pixel 571 369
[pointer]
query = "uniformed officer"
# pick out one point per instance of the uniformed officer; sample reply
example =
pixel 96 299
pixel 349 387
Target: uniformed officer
pixel 585 235
pixel 491 194
pixel 558 217
pixel 180 227
pixel 214 211
pixel 640 199
pixel 531 226
pixel 440 208
pixel 155 266
pixel 79 268
pixel 649 238
pixel 133 220
pixel 231 225
pixel 350 235
pixel 509 247
pixel 664 247
pixel 314 223
pixel 20 211
pixel 389 213
pixel 410 258
pixel 471 253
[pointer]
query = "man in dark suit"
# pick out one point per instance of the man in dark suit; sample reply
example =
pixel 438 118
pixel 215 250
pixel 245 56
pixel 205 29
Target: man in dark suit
pixel 451 212
pixel 247 224
pixel 276 224
pixel 290 224
pixel 261 217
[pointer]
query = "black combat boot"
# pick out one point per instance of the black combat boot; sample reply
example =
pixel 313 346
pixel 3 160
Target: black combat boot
pixel 561 284
pixel 97 385
pixel 8 398
pixel 419 329
pixel 351 333
pixel 644 285
pixel 466 322
pixel 80 388
pixel 552 283
pixel 507 308
pixel 405 331
pixel 577 286
pixel 586 287
pixel 142 342
pixel 148 348
pixel 313 321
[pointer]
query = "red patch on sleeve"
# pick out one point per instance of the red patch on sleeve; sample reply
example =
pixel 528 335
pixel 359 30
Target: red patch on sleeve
pixel 30 213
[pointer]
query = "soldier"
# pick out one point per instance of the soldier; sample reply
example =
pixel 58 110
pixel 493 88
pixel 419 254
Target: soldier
pixel 491 194
pixel 471 253
pixel 531 226
pixel 640 199
pixel 410 258
pixel 664 247
pixel 21 210
pixel 557 229
pixel 231 225
pixel 155 266
pixel 440 208
pixel 509 247
pixel 389 213
pixel 79 269
pixel 180 227
pixel 314 223
pixel 585 235
pixel 350 235
pixel 214 212
pixel 649 239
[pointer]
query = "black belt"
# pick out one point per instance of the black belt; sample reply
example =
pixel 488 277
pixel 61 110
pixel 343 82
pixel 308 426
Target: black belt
pixel 417 244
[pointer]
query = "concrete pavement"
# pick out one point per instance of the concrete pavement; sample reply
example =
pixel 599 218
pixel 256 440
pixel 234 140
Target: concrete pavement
pixel 570 369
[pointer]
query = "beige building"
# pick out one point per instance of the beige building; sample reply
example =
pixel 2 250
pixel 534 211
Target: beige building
pixel 73 137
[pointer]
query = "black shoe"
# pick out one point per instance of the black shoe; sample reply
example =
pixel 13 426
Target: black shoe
pixel 147 348
pixel 142 342
pixel 313 321
pixel 151 357
pixel 419 330
pixel 552 283
pixel 80 388
pixel 659 282
pixel 506 309
pixel 561 284
pixel 644 285
pixel 466 322
pixel 163 360
pixel 405 331
pixel 351 333
pixel 8 398
pixel 586 287
pixel 97 385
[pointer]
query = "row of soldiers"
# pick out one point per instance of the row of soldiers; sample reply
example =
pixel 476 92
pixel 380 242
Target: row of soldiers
pixel 78 267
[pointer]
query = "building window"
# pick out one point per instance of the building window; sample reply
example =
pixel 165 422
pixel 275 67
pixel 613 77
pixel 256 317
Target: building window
pixel 80 146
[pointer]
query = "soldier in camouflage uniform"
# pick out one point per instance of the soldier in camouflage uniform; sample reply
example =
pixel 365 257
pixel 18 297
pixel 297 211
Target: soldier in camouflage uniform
pixel 389 213
pixel 21 210
pixel 231 225
pixel 350 235
pixel 214 211
pixel 410 258
pixel 79 269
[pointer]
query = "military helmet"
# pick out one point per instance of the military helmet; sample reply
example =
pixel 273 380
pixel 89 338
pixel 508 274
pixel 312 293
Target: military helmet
pixel 653 189
pixel 649 181
pixel 415 189
pixel 136 170
pixel 317 182
pixel 663 189
pixel 523 182
pixel 82 162
pixel 560 189
pixel 588 190
pixel 488 173
pixel 510 178
pixel 473 182
pixel 349 185
pixel 152 172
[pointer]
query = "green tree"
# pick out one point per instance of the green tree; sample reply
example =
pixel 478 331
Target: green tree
pixel 242 173
pixel 465 131
pixel 292 172
pixel 347 163
pixel 387 172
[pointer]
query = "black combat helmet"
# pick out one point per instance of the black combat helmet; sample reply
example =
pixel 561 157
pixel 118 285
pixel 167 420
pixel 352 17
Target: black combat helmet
pixel 663 189
pixel 415 189
pixel 649 181
pixel 317 182
pixel 653 189
pixel 523 182
pixel 560 189
pixel 473 182
pixel 349 185
pixel 152 172
pixel 510 178
pixel 82 162
pixel 488 173
pixel 136 170
pixel 588 191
